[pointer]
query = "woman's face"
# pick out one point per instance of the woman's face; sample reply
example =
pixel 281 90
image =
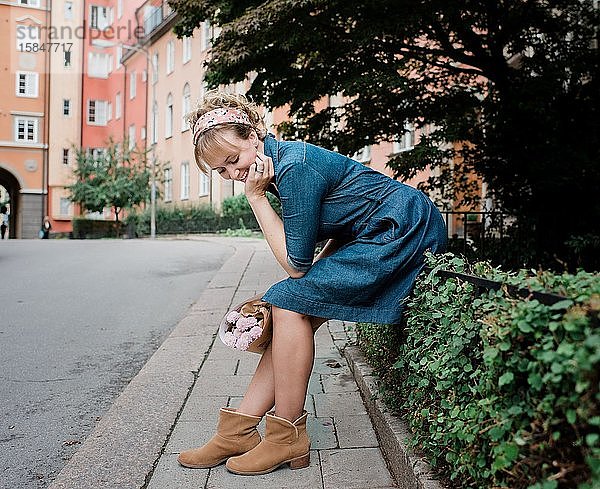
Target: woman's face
pixel 233 160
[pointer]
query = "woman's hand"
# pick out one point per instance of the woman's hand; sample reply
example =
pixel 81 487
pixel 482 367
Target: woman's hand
pixel 259 177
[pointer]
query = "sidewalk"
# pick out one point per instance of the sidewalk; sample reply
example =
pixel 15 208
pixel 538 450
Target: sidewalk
pixel 173 403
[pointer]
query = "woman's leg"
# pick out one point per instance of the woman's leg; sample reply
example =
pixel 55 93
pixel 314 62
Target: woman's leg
pixel 293 356
pixel 260 395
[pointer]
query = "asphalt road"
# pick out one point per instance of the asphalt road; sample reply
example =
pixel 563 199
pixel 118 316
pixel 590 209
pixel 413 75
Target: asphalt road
pixel 78 319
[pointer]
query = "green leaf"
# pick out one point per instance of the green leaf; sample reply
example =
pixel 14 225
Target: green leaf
pixel 506 378
pixel 564 304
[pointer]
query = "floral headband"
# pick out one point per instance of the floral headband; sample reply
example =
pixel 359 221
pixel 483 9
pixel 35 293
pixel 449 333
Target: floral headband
pixel 216 117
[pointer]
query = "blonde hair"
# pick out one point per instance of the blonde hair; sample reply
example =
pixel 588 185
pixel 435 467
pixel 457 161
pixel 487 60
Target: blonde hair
pixel 213 137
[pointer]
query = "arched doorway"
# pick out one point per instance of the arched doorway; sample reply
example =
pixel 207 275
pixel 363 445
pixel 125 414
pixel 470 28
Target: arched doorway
pixel 11 197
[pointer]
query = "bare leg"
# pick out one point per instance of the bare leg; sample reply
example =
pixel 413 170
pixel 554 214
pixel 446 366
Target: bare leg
pixel 260 395
pixel 293 356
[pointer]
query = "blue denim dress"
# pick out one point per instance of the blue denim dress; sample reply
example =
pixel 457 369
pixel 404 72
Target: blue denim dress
pixel 385 226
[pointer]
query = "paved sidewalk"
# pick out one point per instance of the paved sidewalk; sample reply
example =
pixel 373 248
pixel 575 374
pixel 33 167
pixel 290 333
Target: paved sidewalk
pixel 345 452
pixel 178 411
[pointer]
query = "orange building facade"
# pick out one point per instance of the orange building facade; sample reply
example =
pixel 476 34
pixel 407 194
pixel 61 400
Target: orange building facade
pixel 127 78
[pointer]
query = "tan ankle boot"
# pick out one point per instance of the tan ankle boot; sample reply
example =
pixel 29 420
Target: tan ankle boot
pixel 284 442
pixel 236 434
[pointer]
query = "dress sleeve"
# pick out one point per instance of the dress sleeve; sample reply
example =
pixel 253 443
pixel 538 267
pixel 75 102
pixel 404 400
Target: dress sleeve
pixel 302 190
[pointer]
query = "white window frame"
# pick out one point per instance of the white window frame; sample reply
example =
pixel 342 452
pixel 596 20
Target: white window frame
pixel 132 85
pixel 187 49
pixel 155 68
pixel 31 84
pixel 27 34
pixel 99 65
pixel 65 206
pixel 68 10
pixel 406 141
pixel 98 21
pixel 143 133
pixel 118 105
pixel 170 57
pixel 169 117
pixel 185 180
pixel 155 123
pixel 119 9
pixel 205 35
pixel 30 3
pixel 131 136
pixel 66 107
pixel 31 124
pixel 203 185
pixel 99 110
pixel 186 106
pixel 168 184
pixel 363 155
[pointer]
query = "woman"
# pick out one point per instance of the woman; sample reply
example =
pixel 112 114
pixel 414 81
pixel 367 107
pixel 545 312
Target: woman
pixel 377 231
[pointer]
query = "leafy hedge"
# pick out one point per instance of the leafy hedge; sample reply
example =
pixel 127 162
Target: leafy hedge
pixel 94 229
pixel 499 391
pixel 236 214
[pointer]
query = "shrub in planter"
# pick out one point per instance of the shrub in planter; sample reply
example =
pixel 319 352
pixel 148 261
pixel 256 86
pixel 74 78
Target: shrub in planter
pixel 499 391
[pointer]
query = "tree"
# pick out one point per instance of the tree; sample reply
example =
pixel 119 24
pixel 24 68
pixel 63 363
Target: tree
pixel 514 83
pixel 119 178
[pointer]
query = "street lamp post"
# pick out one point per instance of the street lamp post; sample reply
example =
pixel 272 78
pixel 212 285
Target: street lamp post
pixel 149 61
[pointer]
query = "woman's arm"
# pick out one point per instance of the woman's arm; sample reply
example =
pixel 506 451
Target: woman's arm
pixel 270 223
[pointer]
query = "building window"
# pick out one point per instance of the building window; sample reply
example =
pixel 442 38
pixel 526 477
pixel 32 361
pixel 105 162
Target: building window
pixel 170 57
pixel 68 10
pixel 143 133
pixel 28 38
pixel 168 185
pixel 203 185
pixel 169 117
pixel 66 106
pixel 144 76
pixel 65 156
pixel 99 65
pixel 132 85
pixel 406 141
pixel 97 153
pixel 97 112
pixel 155 123
pixel 66 59
pixel 30 3
pixel 185 180
pixel 363 155
pixel 118 105
pixel 65 206
pixel 187 49
pixel 26 129
pixel 186 106
pixel 132 136
pixel 100 17
pixel 155 68
pixel 205 38
pixel 119 9
pixel 27 84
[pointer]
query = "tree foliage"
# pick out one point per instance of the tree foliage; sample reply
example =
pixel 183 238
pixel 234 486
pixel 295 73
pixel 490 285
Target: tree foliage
pixel 119 179
pixel 505 90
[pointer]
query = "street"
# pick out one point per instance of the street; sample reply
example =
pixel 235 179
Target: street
pixel 78 319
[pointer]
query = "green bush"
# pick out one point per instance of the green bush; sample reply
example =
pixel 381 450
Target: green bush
pixel 94 229
pixel 237 212
pixel 499 391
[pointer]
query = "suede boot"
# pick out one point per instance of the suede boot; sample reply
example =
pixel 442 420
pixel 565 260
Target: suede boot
pixel 236 434
pixel 284 442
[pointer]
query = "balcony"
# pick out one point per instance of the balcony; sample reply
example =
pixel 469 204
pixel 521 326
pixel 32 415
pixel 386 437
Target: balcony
pixel 152 16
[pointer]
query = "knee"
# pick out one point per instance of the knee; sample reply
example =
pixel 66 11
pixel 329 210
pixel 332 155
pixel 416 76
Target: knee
pixel 284 315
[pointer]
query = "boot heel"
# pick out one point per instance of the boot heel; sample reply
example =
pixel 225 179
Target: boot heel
pixel 300 462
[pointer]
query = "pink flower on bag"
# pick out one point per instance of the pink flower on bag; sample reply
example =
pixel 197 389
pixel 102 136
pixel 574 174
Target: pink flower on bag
pixel 246 323
pixel 243 341
pixel 229 339
pixel 255 332
pixel 232 317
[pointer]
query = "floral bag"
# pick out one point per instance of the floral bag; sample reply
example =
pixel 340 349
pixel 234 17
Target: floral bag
pixel 248 327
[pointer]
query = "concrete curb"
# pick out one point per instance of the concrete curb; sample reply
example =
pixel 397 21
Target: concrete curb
pixel 130 437
pixel 408 469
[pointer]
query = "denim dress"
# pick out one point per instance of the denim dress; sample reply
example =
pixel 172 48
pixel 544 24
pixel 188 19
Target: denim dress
pixel 385 227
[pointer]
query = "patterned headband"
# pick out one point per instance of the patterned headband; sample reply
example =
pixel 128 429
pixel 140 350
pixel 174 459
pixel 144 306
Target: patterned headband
pixel 216 117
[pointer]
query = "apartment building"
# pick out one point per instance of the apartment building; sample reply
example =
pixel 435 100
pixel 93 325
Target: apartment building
pixel 24 76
